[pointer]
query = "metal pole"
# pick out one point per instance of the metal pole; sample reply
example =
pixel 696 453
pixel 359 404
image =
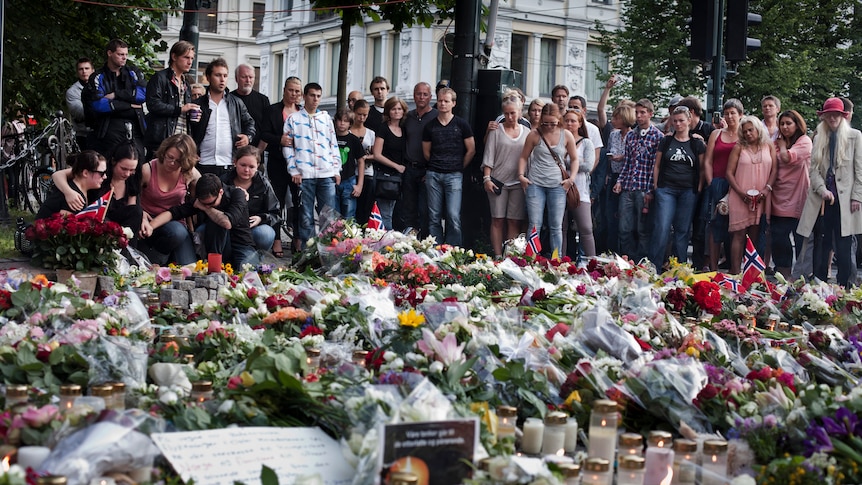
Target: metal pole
pixel 189 31
pixel 5 219
pixel 719 71
pixel 465 67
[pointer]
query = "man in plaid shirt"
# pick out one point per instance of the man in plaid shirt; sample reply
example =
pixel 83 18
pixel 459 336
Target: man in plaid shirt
pixel 635 182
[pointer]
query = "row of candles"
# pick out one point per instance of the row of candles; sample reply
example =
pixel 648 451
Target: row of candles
pixel 664 462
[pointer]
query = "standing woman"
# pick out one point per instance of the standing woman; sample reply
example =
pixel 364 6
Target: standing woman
pixel 388 152
pixel 751 172
pixel 676 182
pixel 622 119
pixel 534 112
pixel 546 146
pixel 89 169
pixel 576 125
pixel 721 143
pixel 793 150
pixel 264 213
pixel 500 162
pixel 835 195
pixel 366 135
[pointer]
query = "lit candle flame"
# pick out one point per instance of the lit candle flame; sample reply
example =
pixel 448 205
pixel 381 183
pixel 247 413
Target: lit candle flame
pixel 714 458
pixel 6 464
pixel 604 423
pixel 667 478
pixel 561 452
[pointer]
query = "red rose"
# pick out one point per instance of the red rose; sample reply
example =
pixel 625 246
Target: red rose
pixel 560 328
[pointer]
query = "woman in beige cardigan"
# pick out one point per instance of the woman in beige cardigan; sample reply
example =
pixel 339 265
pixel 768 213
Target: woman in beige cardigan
pixel 832 209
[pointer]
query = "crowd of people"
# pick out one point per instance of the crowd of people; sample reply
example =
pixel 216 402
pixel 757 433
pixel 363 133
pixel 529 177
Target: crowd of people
pixel 641 188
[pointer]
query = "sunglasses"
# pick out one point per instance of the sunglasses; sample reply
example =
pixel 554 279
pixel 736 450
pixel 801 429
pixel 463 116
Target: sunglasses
pixel 102 173
pixel 549 123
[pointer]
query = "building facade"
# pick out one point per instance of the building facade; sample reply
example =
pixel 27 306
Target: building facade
pixel 549 41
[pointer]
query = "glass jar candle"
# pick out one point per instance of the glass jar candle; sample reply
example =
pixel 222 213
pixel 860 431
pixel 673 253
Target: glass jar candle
pixel 659 457
pixel 201 391
pixel 506 418
pixel 68 394
pixel 16 394
pixel 571 473
pixel 51 480
pixel 630 470
pixel 714 462
pixel 118 396
pixel 772 322
pixel 597 471
pixel 631 444
pixel 554 436
pixel 684 462
pixel 571 435
pixel 359 358
pixel 403 478
pixel 104 391
pixel 531 442
pixel 312 358
pixel 189 359
pixel 603 430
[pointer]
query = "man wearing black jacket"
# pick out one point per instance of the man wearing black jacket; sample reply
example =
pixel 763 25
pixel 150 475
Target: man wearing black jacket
pixel 169 98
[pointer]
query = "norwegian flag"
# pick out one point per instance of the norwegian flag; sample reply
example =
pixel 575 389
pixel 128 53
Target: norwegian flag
pixel 725 282
pixel 375 221
pixel 534 246
pixel 752 265
pixel 98 209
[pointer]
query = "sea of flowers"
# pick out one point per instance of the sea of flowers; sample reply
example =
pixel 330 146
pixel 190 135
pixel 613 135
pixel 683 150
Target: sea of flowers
pixel 774 370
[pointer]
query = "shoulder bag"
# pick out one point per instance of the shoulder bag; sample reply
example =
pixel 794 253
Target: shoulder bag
pixel 573 196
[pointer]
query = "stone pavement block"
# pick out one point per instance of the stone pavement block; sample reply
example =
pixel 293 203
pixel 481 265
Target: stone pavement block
pixel 105 283
pixel 177 298
pixel 185 285
pixel 198 296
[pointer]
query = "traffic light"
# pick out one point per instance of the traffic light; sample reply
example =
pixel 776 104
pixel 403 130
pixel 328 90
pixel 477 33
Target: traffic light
pixel 738 20
pixel 702 29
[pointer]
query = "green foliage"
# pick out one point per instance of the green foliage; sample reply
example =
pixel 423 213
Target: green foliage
pixel 44 40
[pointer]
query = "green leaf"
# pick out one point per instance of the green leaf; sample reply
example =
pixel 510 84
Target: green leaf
pixel 268 476
pixel 502 374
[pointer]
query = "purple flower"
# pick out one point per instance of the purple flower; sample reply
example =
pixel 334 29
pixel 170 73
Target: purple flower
pixel 818 441
pixel 845 423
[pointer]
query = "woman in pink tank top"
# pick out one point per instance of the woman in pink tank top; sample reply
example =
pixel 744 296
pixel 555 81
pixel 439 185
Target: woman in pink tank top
pixel 721 143
pixel 166 181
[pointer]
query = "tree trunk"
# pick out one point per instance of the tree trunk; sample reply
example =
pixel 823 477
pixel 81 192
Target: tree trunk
pixel 346 22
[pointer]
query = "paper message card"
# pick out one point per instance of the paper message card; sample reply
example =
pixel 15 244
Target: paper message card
pixel 438 452
pixel 222 456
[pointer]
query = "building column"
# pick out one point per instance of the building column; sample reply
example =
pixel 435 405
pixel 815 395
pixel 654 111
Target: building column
pixel 533 64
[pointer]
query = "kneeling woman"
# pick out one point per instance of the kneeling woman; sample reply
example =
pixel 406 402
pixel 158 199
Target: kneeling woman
pixel 263 209
pixel 88 171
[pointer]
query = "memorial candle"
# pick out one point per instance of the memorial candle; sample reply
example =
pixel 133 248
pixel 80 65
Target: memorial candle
pixel 68 394
pixel 531 442
pixel 631 444
pixel 630 470
pixel 32 456
pixel 554 436
pixel 714 462
pixel 597 471
pixel 571 435
pixel 603 430
pixel 684 462
pixel 659 458
pixel 571 473
pixel 506 418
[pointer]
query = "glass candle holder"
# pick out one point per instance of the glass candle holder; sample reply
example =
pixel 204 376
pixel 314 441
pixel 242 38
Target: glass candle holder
pixel 359 358
pixel 571 435
pixel 659 457
pixel 16 394
pixel 554 435
pixel 571 473
pixel 603 430
pixel 104 391
pixel 506 419
pixel 51 480
pixel 531 442
pixel 201 391
pixel 597 471
pixel 68 394
pixel 714 462
pixel 630 470
pixel 403 478
pixel 312 358
pixel 118 396
pixel 684 462
pixel 631 444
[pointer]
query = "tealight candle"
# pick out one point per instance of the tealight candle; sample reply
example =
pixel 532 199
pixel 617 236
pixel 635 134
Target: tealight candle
pixel 118 396
pixel 312 358
pixel 359 357
pixel 68 394
pixel 685 456
pixel 571 473
pixel 714 462
pixel 571 435
pixel 506 418
pixel 603 430
pixel 659 458
pixel 596 472
pixel 16 394
pixel 554 436
pixel 531 442
pixel 631 470
pixel 631 444
pixel 201 391
pixel 32 456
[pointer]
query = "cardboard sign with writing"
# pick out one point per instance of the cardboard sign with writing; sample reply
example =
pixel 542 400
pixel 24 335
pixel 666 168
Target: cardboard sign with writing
pixel 222 456
pixel 438 452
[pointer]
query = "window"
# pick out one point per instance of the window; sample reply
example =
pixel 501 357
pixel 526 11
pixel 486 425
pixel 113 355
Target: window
pixel 279 76
pixel 324 14
pixel 518 55
pixel 208 18
pixel 396 61
pixel 335 49
pixel 284 8
pixel 201 77
pixel 603 2
pixel 547 66
pixel 257 19
pixel 312 55
pixel 444 57
pixel 597 61
pixel 376 58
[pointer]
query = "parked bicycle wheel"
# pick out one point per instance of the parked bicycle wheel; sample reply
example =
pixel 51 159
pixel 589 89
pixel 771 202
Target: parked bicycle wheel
pixel 40 185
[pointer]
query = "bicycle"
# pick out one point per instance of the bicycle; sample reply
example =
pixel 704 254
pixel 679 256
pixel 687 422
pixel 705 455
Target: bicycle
pixel 37 157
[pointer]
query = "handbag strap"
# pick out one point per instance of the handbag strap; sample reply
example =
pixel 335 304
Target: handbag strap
pixel 563 170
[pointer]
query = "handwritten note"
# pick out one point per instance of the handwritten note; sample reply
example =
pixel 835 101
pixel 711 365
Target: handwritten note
pixel 222 456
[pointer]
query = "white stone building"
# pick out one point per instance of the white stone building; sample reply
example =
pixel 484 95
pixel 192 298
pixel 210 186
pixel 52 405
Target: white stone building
pixel 549 41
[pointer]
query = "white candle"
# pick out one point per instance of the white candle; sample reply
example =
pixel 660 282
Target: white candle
pixel 32 456
pixel 659 464
pixel 103 481
pixel 571 435
pixel 603 441
pixel 714 462
pixel 554 437
pixel 531 443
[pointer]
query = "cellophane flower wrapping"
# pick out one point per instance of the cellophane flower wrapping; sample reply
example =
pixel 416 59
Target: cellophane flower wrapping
pixel 117 359
pixel 118 442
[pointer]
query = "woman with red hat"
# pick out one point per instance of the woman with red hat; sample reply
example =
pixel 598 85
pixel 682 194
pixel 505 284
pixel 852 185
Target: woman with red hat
pixel 832 209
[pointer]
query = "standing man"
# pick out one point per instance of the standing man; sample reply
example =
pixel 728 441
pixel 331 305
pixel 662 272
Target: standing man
pixel 113 101
pixel 560 97
pixel 84 68
pixel 448 145
pixel 770 106
pixel 225 124
pixel 635 182
pixel 380 91
pixel 353 97
pixel 313 161
pixel 412 209
pixel 255 102
pixel 169 98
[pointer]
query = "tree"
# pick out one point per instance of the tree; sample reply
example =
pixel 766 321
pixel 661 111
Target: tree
pixel 399 14
pixel 810 51
pixel 44 40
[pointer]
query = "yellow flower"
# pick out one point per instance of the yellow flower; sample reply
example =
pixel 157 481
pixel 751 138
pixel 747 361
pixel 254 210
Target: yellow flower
pixel 228 269
pixel 247 379
pixel 200 266
pixel 356 250
pixel 411 318
pixel 692 352
pixel 40 280
pixel 573 398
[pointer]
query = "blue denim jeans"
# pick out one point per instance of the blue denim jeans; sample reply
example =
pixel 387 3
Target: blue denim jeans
pixel 634 225
pixel 673 208
pixel 828 237
pixel 386 208
pixel 444 194
pixel 554 198
pixel 323 192
pixel 174 240
pixel 346 201
pixel 612 214
pixel 782 249
pixel 263 236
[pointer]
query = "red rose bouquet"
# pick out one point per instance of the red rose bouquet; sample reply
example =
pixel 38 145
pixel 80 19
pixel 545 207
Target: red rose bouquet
pixel 76 243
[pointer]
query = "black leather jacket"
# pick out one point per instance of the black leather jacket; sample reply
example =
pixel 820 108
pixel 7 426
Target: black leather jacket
pixel 241 121
pixel 261 198
pixel 164 109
